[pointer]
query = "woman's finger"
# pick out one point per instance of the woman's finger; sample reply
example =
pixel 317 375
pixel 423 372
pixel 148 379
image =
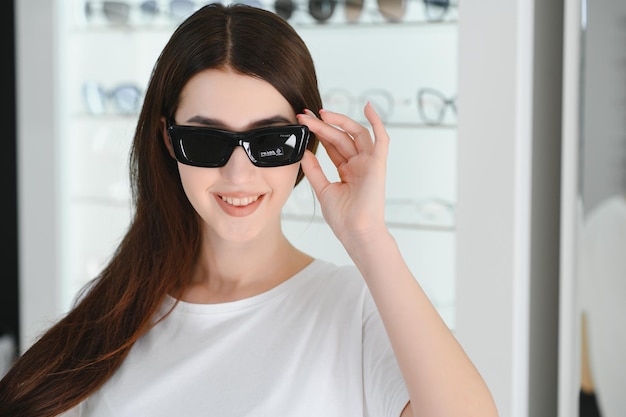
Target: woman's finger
pixel 381 137
pixel 335 156
pixel 314 173
pixel 329 134
pixel 333 153
pixel 359 133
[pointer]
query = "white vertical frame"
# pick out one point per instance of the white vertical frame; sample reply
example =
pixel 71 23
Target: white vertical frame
pixel 37 147
pixel 508 158
pixel 494 196
pixel 571 209
pixel 492 305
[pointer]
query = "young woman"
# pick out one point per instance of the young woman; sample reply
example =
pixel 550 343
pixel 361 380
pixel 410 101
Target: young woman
pixel 206 309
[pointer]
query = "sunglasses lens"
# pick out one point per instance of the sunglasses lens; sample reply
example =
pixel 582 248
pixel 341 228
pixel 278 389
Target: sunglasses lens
pixel 200 148
pixel 353 10
pixel 322 10
pixel 277 147
pixel 181 9
pixel 149 8
pixel 116 12
pixel 284 8
pixel 392 10
pixel 436 9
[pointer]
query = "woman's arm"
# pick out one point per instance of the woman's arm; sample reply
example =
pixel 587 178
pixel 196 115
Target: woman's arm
pixel 440 378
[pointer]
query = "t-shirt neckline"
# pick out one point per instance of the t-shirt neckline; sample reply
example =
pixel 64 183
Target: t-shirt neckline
pixel 299 278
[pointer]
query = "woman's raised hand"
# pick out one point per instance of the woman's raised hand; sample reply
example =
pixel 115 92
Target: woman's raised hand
pixel 354 205
pixel 439 376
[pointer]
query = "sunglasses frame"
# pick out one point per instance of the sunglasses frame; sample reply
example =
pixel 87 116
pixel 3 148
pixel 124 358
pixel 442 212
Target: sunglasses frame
pixel 233 139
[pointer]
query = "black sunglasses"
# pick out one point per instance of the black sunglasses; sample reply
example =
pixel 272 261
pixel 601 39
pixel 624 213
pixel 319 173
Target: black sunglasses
pixel 211 148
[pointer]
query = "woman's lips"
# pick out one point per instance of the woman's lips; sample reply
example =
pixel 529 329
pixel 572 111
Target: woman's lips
pixel 239 206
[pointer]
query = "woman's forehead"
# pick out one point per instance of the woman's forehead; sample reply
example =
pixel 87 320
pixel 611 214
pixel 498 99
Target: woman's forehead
pixel 233 99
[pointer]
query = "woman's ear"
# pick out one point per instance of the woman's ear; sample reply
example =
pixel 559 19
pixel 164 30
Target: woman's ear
pixel 166 137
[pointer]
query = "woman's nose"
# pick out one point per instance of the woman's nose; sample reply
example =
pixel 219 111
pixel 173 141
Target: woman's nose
pixel 239 168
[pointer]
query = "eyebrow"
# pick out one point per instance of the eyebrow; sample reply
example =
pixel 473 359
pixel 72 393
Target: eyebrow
pixel 215 123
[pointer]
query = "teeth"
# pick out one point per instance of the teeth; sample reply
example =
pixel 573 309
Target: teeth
pixel 244 201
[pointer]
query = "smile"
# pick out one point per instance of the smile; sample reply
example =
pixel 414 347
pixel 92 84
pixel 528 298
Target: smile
pixel 244 201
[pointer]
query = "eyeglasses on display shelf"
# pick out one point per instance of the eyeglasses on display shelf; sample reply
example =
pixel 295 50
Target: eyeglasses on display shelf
pixel 121 13
pixel 344 101
pixel 433 104
pixel 121 99
pixel 361 11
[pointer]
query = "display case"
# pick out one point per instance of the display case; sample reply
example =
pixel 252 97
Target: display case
pixel 409 76
pixel 472 198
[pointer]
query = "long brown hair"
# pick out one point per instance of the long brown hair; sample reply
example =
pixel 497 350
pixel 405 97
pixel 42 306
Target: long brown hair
pixel 156 256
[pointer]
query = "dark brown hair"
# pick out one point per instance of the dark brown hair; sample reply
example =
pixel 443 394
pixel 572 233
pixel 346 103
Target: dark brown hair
pixel 156 256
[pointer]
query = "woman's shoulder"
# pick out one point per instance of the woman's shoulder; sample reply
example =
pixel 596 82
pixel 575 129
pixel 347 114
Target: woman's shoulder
pixel 332 272
pixel 328 277
pixel 337 290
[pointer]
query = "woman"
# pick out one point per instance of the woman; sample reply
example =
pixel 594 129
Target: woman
pixel 206 309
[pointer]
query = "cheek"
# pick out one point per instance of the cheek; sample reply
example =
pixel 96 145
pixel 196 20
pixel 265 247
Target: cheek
pixel 195 180
pixel 283 179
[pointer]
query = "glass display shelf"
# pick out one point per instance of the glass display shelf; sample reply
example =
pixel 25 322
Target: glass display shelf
pixel 405 66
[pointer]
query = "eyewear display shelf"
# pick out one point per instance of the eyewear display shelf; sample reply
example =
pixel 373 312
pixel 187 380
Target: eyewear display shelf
pixel 405 65
pixel 472 203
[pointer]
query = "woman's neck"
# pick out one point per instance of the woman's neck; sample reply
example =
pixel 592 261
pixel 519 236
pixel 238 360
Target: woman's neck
pixel 230 271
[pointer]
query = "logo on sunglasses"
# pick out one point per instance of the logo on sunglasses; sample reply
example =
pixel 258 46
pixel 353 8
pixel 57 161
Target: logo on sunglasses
pixel 272 152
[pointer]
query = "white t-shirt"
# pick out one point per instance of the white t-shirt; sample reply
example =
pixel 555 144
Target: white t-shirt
pixel 312 346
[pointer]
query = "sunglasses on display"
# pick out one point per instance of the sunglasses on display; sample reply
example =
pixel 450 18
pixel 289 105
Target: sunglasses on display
pixel 391 10
pixel 320 10
pixel 119 12
pixel 395 10
pixel 266 147
pixel 436 10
